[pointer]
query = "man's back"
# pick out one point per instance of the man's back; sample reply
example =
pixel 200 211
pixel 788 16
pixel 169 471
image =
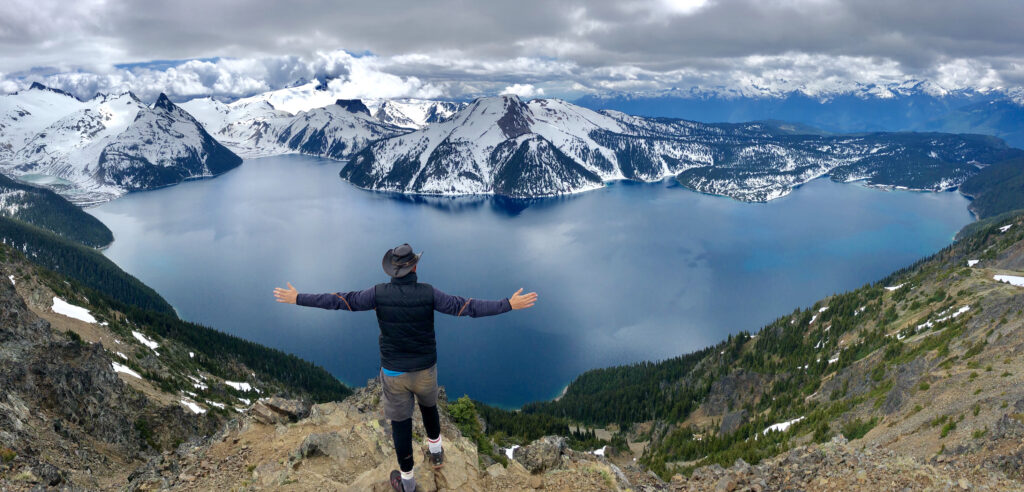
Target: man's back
pixel 405 312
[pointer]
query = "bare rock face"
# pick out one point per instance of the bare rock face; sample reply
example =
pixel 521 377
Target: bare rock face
pixel 1008 427
pixel 540 455
pixel 732 421
pixel 732 391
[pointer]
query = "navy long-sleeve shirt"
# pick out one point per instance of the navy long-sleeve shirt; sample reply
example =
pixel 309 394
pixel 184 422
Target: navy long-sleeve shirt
pixel 364 300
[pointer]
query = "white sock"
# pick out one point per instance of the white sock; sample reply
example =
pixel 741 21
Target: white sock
pixel 408 481
pixel 435 446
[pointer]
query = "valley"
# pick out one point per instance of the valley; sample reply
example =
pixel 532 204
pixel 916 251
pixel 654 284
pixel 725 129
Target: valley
pixel 874 375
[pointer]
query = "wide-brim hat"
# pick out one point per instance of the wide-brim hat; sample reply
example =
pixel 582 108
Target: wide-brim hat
pixel 400 260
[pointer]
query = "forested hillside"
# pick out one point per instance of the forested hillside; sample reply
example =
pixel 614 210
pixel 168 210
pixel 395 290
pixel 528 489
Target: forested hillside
pixel 79 262
pixel 996 189
pixel 44 208
pixel 893 352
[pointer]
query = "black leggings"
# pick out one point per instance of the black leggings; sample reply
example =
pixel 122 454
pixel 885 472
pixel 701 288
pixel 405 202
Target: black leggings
pixel 401 432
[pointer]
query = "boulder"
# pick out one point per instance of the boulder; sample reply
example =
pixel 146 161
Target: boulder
pixel 540 455
pixel 266 415
pixel 295 410
pixel 321 444
pixel 496 470
pixel 276 410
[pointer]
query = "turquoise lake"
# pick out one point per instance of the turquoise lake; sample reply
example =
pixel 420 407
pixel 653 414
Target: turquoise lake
pixel 626 273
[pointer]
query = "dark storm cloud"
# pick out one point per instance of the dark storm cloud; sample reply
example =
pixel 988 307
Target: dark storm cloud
pixel 459 47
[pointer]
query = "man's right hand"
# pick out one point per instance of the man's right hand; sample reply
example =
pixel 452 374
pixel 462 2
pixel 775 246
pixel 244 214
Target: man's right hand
pixel 288 295
pixel 518 301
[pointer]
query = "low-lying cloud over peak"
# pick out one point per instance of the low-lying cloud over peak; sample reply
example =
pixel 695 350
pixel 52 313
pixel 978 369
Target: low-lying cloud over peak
pixel 533 48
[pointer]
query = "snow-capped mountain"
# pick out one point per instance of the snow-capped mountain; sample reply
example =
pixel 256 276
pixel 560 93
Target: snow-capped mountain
pixel 101 148
pixel 488 147
pixel 501 145
pixel 309 95
pixel 414 113
pixel 249 128
pixel 24 114
pixel 254 128
pixel 113 144
pixel 335 131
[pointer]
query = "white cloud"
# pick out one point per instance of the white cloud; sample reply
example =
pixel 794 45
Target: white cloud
pixel 683 7
pixel 350 77
pixel 525 91
pixel 459 50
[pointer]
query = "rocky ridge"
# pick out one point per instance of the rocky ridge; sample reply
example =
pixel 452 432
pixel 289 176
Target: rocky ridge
pixel 87 394
pixel 66 418
pixel 347 446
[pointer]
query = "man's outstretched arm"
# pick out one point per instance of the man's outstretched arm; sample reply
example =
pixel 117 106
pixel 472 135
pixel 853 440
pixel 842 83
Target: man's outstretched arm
pixel 475 308
pixel 357 300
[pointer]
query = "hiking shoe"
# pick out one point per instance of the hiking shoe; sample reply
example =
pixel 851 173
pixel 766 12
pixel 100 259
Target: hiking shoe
pixel 436 459
pixel 396 481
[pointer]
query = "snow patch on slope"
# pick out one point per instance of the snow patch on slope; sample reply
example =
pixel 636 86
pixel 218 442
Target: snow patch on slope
pixel 125 369
pixel 1010 279
pixel 60 306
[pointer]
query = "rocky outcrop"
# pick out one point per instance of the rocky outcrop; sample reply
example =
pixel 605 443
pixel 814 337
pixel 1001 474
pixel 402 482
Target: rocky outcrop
pixel 65 416
pixel 839 466
pixel 542 454
pixel 906 377
pixel 732 391
pixel 347 446
pixel 732 421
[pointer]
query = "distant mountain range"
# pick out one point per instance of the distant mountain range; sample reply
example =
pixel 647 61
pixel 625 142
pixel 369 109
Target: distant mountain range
pixel 505 146
pixel 911 106
pixel 255 126
pixel 96 150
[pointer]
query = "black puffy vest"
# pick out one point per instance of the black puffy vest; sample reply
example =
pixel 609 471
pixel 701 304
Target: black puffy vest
pixel 405 312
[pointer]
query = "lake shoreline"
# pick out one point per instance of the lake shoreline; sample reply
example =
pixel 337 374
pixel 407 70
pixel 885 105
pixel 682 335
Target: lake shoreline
pixel 682 268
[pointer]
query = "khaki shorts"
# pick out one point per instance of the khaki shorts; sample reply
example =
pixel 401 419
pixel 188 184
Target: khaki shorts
pixel 398 392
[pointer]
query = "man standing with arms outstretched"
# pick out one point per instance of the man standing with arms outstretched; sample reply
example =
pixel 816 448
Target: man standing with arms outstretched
pixel 408 349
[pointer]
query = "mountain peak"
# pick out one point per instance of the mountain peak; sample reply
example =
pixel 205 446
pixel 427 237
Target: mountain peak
pixel 301 81
pixel 516 121
pixel 36 86
pixel 353 106
pixel 164 102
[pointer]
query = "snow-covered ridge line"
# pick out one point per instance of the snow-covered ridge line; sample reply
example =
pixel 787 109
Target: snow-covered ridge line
pixel 492 146
pixel 544 147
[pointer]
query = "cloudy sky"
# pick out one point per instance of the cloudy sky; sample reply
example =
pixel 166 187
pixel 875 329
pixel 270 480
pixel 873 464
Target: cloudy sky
pixel 460 48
